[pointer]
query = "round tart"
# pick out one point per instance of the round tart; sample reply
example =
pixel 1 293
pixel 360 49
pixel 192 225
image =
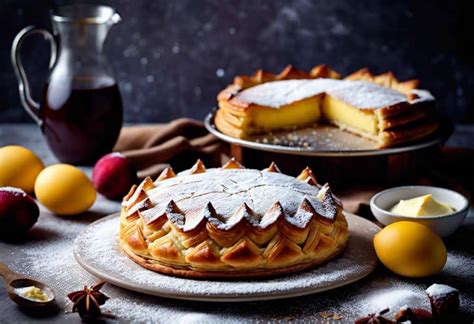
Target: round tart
pixel 378 107
pixel 231 222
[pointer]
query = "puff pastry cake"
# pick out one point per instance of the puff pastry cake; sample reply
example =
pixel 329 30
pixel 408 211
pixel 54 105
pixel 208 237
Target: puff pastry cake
pixel 379 108
pixel 231 222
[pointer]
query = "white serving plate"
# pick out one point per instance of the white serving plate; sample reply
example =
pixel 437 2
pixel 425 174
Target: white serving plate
pixel 97 250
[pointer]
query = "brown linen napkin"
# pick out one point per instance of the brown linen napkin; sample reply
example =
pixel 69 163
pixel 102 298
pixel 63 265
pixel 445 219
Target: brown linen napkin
pixel 179 143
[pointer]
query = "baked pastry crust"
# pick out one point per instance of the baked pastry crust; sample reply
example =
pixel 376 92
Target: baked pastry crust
pixel 378 107
pixel 231 222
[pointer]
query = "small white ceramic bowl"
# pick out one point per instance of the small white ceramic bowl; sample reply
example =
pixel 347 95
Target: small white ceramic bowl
pixel 382 202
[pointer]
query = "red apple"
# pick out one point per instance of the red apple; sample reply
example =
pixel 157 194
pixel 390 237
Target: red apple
pixel 113 175
pixel 18 212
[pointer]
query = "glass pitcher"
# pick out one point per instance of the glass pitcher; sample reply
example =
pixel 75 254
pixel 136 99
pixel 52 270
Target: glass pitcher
pixel 80 111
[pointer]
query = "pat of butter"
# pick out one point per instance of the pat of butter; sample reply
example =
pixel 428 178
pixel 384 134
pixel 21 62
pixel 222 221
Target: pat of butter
pixel 33 293
pixel 421 206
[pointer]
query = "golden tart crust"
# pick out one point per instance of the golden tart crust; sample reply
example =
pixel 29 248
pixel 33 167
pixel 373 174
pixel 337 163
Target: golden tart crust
pixel 377 107
pixel 231 222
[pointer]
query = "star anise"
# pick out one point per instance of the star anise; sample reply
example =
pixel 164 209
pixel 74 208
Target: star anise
pixel 87 301
pixel 375 318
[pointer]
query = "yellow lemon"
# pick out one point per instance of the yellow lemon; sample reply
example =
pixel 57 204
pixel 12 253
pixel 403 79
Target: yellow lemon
pixel 64 189
pixel 410 249
pixel 19 167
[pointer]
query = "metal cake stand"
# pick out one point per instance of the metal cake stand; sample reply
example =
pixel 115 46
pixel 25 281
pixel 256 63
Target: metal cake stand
pixel 325 141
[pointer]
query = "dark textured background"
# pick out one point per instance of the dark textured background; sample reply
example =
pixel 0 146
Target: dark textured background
pixel 172 57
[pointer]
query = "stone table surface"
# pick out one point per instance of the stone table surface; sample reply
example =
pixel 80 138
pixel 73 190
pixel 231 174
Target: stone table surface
pixel 47 255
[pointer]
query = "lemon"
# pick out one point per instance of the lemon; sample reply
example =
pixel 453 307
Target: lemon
pixel 64 189
pixel 19 167
pixel 410 249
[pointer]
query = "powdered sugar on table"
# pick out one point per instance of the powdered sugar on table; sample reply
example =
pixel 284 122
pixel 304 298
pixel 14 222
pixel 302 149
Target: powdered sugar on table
pixel 48 256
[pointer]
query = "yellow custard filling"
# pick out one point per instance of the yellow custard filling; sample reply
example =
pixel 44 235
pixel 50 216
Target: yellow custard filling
pixel 344 114
pixel 300 113
pixel 422 206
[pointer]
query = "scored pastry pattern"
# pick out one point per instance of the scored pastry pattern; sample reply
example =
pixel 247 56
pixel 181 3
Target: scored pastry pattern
pixel 231 221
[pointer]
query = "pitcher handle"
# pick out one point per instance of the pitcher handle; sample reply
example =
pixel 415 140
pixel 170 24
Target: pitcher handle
pixel 31 106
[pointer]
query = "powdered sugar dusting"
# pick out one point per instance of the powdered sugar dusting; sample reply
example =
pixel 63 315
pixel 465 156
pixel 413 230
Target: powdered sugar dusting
pixel 52 257
pixel 360 94
pixel 13 190
pixel 228 189
pixel 279 93
pixel 366 95
pixel 422 96
pixel 98 247
pixel 380 294
pixel 459 266
pixel 437 290
pixel 49 257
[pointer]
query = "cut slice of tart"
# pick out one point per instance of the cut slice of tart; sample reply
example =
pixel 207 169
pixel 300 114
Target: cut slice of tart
pixel 265 102
pixel 378 113
pixel 379 108
pixel 274 105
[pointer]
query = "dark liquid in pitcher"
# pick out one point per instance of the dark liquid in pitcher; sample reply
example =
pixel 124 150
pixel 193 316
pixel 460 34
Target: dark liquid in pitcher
pixel 82 124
